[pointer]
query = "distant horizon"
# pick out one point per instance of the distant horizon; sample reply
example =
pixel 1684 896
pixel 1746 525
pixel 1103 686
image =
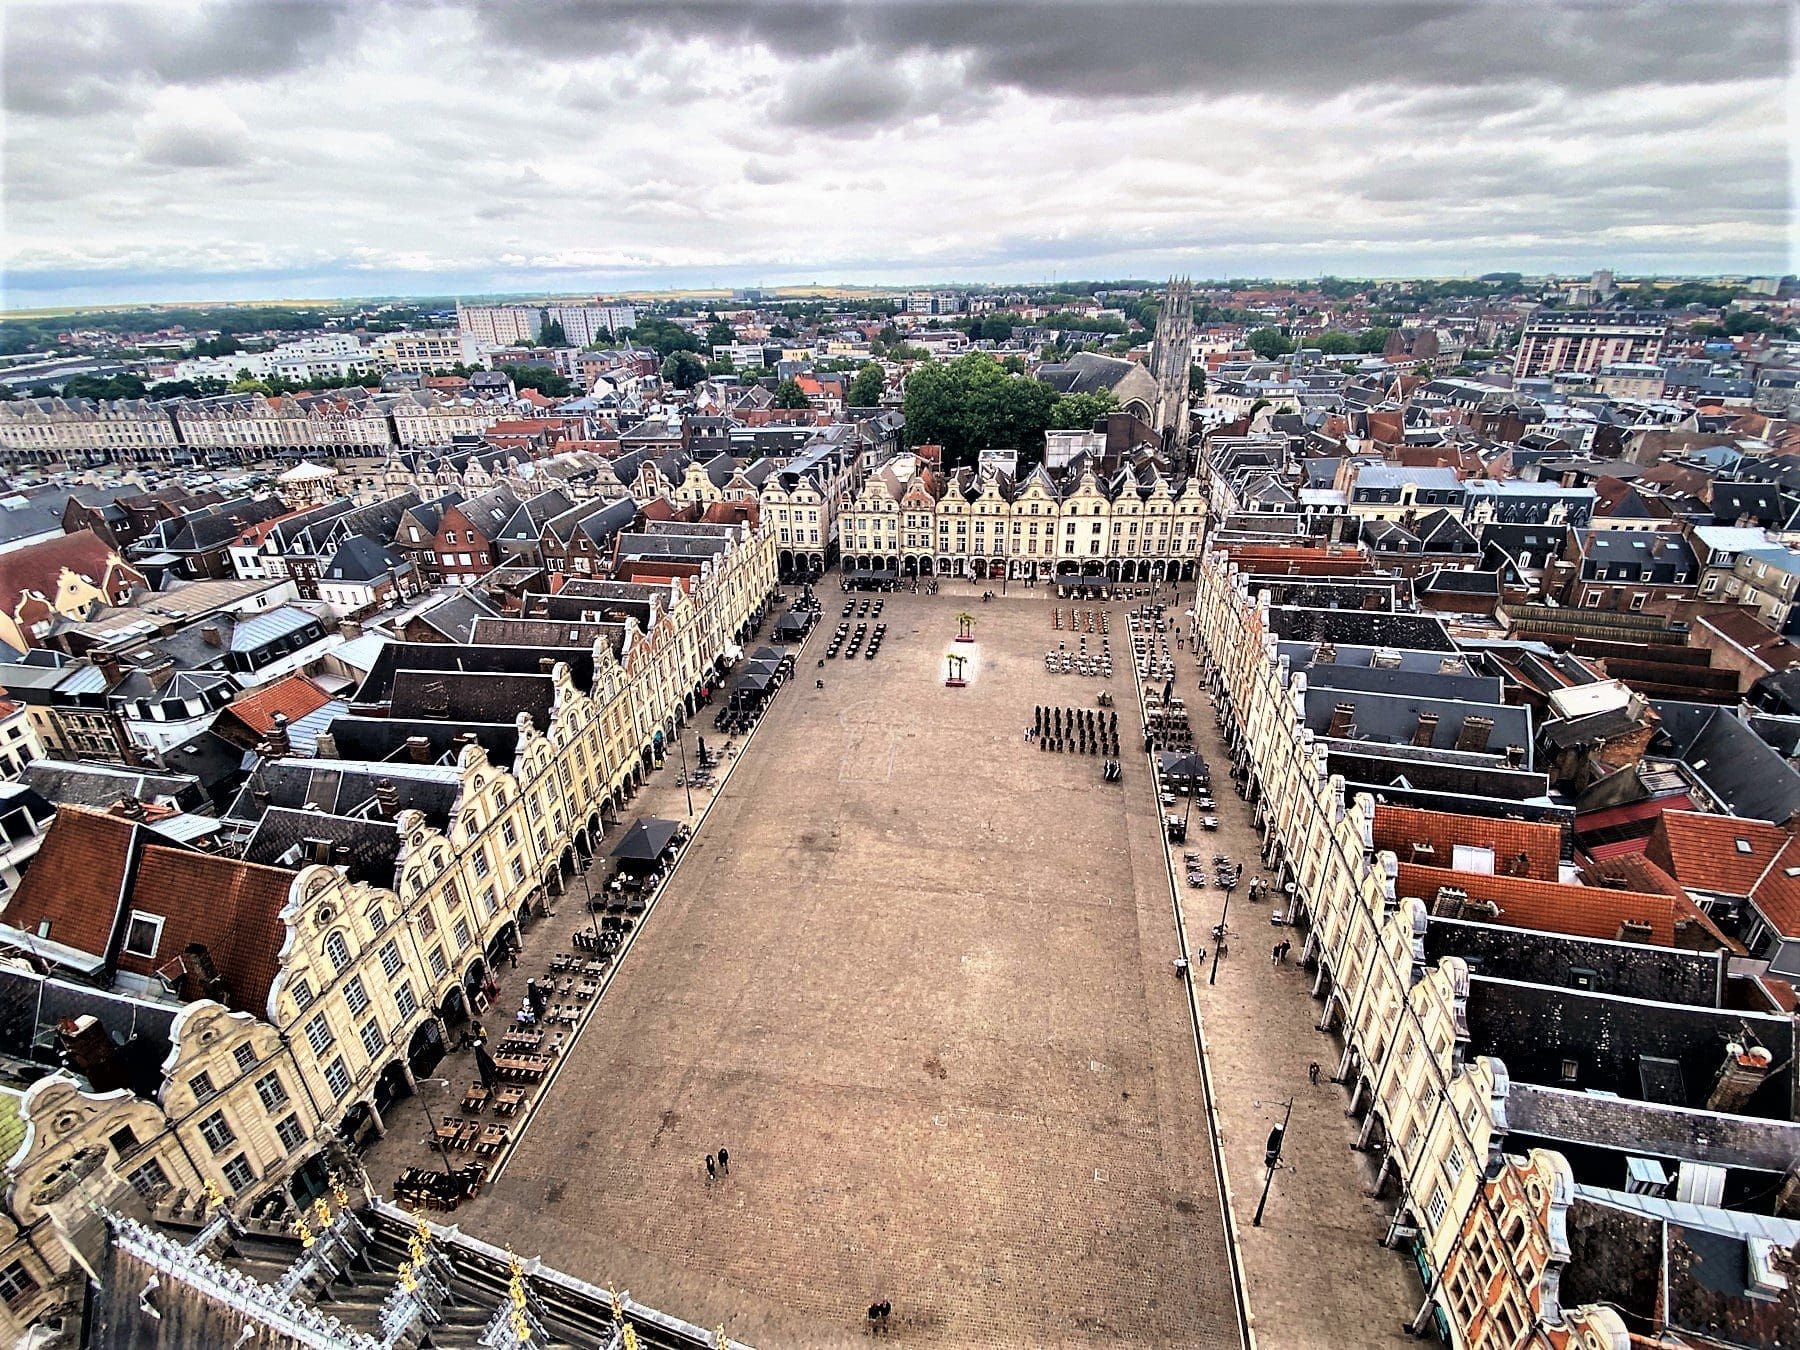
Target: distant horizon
pixel 795 290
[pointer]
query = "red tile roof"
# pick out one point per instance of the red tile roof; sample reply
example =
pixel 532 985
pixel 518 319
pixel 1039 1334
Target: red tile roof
pixel 1399 828
pixel 294 697
pixel 38 567
pixel 1721 854
pixel 1580 911
pixel 76 881
pixel 1777 894
pixel 231 908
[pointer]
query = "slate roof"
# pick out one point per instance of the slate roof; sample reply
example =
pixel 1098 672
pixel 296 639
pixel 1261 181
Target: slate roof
pixel 70 783
pixel 360 558
pixel 472 696
pixel 379 739
pixel 345 788
pixel 1360 628
pixel 1392 719
pixel 1650 1129
pixel 1735 764
pixel 372 845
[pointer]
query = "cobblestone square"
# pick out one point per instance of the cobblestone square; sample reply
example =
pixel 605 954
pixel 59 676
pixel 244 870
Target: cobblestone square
pixel 915 974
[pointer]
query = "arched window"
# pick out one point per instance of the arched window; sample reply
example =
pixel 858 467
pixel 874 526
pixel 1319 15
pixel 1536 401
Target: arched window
pixel 338 950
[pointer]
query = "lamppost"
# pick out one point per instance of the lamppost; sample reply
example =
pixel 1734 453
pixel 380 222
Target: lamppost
pixel 687 781
pixel 1272 1160
pixel 431 1135
pixel 1219 938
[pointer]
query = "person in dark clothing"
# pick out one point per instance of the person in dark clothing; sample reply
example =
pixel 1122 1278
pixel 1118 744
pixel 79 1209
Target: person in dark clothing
pixel 712 1170
pixel 1312 1073
pixel 874 1318
pixel 724 1162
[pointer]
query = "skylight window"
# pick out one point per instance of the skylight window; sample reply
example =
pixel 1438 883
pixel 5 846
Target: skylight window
pixel 1743 846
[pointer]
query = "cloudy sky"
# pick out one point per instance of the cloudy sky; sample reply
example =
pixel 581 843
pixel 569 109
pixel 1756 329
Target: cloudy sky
pixel 350 147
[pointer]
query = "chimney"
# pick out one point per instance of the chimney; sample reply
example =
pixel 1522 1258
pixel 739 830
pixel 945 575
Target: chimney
pixel 326 747
pixel 211 635
pixel 545 663
pixel 1343 720
pixel 130 807
pixel 434 699
pixel 261 797
pixel 1741 1074
pixel 387 798
pixel 279 744
pixel 199 963
pixel 1450 902
pixel 89 1049
pixel 350 630
pixel 319 850
pixel 1474 734
pixel 1426 729
pixel 160 674
pixel 418 748
pixel 1633 930
pixel 1515 756
pixel 1325 654
pixel 1521 864
pixel 110 668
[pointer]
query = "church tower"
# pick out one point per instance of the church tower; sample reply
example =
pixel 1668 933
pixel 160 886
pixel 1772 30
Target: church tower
pixel 1170 356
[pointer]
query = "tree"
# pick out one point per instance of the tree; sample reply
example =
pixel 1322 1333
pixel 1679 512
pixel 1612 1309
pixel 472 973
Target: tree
pixel 547 380
pixel 720 334
pixel 683 370
pixel 1196 381
pixel 789 394
pixel 1336 342
pixel 552 335
pixel 722 366
pixel 1079 412
pixel 1269 343
pixel 1373 341
pixel 867 386
pixel 996 327
pixel 973 403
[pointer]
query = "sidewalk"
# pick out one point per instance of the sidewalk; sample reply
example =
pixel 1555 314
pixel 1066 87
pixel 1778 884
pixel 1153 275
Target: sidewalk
pixel 409 1121
pixel 1315 1270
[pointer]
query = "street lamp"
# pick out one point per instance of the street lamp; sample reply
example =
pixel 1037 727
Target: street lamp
pixel 1272 1160
pixel 1219 938
pixel 431 1136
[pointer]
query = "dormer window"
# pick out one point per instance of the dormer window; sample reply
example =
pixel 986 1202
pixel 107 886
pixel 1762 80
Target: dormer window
pixel 143 933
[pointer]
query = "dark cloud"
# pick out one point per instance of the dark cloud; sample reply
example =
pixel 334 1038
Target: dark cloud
pixel 63 58
pixel 1148 49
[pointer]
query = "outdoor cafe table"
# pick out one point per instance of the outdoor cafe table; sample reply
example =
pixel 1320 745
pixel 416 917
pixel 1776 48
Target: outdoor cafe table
pixel 475 1098
pixel 508 1100
pixel 528 1067
pixel 493 1139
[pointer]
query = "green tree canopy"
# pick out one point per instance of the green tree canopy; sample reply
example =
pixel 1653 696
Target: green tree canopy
pixel 552 335
pixel 720 334
pixel 1371 341
pixel 1079 412
pixel 683 370
pixel 723 366
pixel 1268 343
pixel 1335 342
pixel 789 394
pixel 867 386
pixel 547 380
pixel 664 336
pixel 973 403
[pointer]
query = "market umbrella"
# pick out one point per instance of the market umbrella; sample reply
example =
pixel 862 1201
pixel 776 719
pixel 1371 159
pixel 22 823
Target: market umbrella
pixel 645 841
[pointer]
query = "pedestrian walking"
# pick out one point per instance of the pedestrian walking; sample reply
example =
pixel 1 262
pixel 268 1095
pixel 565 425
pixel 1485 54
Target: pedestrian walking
pixel 887 1310
pixel 712 1170
pixel 1275 954
pixel 724 1162
pixel 874 1318
pixel 1312 1073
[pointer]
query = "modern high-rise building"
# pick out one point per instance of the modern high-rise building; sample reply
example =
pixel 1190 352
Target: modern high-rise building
pixel 1587 339
pixel 500 325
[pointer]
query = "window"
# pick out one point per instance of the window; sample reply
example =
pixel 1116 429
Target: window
pixel 356 995
pixel 303 994
pixel 390 958
pixel 270 1092
pixel 1570 1070
pixel 238 1174
pixel 1453 1164
pixel 427 922
pixel 201 1084
pixel 489 905
pixel 481 862
pixel 244 1057
pixel 435 957
pixel 518 872
pixel 371 1039
pixel 290 1133
pixel 149 1180
pixel 216 1132
pixel 16 1284
pixel 461 933
pixel 337 1077
pixel 142 934
pixel 338 950
pixel 405 1000
pixel 377 918
pixel 123 1140
pixel 318 1034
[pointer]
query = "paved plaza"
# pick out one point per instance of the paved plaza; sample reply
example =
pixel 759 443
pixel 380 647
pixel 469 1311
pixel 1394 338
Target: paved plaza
pixel 916 975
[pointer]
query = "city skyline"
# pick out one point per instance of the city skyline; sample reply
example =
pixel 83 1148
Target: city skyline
pixel 316 150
